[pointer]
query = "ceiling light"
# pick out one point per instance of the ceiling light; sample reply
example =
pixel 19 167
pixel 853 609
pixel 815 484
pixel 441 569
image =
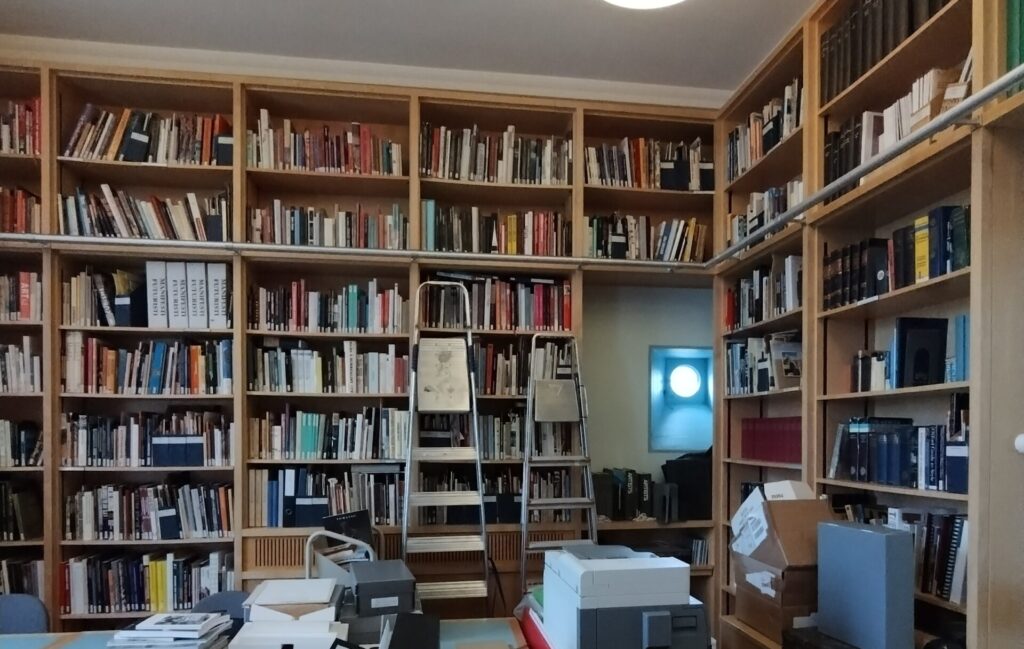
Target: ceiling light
pixel 643 4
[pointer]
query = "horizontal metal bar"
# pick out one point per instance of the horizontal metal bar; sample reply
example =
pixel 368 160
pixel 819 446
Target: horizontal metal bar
pixel 958 113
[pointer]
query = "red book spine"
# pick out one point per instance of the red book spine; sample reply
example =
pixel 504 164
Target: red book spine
pixel 365 150
pixel 25 295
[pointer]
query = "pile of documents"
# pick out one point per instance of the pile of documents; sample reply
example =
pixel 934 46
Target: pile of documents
pixel 175 631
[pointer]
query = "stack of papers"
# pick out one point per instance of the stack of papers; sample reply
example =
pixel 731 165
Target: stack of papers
pixel 175 631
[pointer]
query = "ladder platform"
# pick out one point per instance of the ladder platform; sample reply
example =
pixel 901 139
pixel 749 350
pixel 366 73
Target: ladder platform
pixel 444 498
pixel 451 589
pixel 445 454
pixel 559 460
pixel 453 543
pixel 540 546
pixel 561 503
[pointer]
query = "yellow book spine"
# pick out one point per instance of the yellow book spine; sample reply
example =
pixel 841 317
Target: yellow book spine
pixel 921 249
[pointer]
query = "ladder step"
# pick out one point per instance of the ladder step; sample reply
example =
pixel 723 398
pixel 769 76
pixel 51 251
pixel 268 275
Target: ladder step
pixel 464 543
pixel 459 454
pixel 561 503
pixel 444 498
pixel 540 546
pixel 451 589
pixel 560 460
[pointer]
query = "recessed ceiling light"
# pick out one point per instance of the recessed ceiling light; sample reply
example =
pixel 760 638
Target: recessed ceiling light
pixel 643 4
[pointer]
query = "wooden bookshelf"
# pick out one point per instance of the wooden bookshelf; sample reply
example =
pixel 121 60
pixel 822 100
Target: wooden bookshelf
pixel 909 298
pixel 787 320
pixel 889 489
pixel 938 388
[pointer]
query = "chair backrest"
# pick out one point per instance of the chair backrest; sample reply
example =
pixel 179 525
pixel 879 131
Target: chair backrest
pixel 228 601
pixel 22 614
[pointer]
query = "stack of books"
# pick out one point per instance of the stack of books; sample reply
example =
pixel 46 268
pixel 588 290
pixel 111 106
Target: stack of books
pixel 175 631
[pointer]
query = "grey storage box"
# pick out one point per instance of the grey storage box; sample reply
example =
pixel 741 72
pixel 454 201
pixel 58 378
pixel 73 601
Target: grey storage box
pixel 383 587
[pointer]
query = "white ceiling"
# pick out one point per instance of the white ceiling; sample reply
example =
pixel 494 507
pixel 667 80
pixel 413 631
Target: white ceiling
pixel 700 43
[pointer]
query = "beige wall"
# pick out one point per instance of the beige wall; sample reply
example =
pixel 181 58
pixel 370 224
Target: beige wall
pixel 620 324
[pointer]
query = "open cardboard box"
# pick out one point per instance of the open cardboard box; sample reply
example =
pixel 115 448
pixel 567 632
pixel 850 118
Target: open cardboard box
pixel 775 557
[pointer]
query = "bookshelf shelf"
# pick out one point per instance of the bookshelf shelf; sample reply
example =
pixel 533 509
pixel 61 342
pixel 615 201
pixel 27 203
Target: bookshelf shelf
pixel 1005 113
pixel 941 289
pixel 933 600
pixel 325 395
pixel 935 44
pixel 487 193
pixel 21 544
pixel 702 571
pixel 938 388
pixel 146 397
pixel 328 335
pixel 614 526
pixel 787 466
pixel 601 197
pixel 121 174
pixel 264 462
pixel 19 166
pixel 146 469
pixel 929 172
pixel 776 167
pixel 123 615
pixel 19 324
pixel 489 332
pixel 149 542
pixel 766 395
pixel 500 397
pixel 21 395
pixel 787 320
pixel 645 273
pixel 888 489
pixel 758 638
pixel 149 331
pixel 789 240
pixel 302 181
pixel 21 469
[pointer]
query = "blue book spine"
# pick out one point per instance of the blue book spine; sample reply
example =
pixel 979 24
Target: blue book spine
pixel 882 459
pixel 967 347
pixel 895 457
pixel 156 369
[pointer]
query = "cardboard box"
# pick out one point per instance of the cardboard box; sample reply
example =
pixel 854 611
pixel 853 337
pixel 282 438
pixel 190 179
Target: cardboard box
pixel 293 600
pixel 775 558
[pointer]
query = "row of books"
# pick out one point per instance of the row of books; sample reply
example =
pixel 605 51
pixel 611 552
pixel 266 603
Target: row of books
pixel 371 434
pixel 895 451
pixel 20 211
pixel 763 208
pixel 21 513
pixel 473 155
pixel 121 215
pixel 918 354
pixel 465 229
pixel 121 512
pixel 340 149
pixel 748 143
pixel 296 225
pixel 138 136
pixel 500 304
pixel 21 297
pixel 623 494
pixel 297 306
pixel 501 436
pixel 758 365
pixel 85 299
pixel 173 439
pixel 174 367
pixel 640 237
pixel 771 439
pixel 21 575
pixel 502 370
pixel 21 368
pixel 156 581
pixel 769 292
pixel 648 163
pixel 19 127
pixel 935 244
pixel 291 366
pixel 21 444
pixel 864 35
pixel 303 497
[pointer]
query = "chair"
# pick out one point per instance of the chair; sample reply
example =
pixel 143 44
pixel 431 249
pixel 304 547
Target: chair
pixel 21 613
pixel 228 601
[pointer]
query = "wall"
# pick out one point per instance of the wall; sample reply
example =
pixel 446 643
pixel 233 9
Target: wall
pixel 619 326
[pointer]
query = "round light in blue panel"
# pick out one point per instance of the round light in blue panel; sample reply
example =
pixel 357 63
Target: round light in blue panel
pixel 684 381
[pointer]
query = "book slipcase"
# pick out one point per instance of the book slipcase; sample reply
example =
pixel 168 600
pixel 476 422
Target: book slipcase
pixel 329 219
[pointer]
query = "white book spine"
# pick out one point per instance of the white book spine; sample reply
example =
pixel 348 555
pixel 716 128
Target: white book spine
pixel 195 272
pixel 177 295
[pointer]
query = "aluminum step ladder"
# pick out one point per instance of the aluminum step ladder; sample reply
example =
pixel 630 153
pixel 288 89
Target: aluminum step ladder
pixel 555 395
pixel 443 381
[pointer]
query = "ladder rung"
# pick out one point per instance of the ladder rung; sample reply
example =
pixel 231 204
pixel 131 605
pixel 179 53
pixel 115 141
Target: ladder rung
pixel 539 546
pixel 444 498
pixel 463 543
pixel 560 460
pixel 561 503
pixel 445 454
pixel 451 589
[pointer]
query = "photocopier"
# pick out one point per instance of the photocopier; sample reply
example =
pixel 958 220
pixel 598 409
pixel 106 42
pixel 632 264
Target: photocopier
pixel 611 597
